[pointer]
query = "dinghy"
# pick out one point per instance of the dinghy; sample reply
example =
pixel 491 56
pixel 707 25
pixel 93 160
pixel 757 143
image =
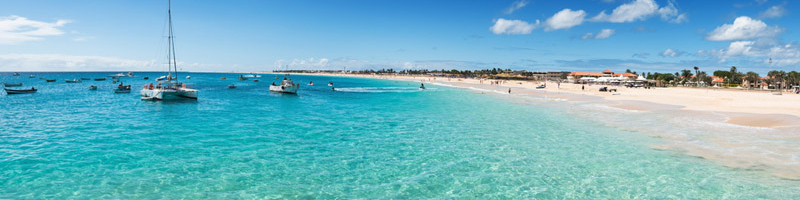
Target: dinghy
pixel 12 84
pixel 24 91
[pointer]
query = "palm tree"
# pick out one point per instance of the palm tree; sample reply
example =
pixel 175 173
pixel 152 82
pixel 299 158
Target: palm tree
pixel 687 74
pixel 696 72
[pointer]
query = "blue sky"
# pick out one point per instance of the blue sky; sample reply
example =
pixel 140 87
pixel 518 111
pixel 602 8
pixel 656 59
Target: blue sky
pixel 591 35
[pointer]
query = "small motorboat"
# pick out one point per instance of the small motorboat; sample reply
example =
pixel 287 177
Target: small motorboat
pixel 145 78
pixel 117 75
pixel 421 86
pixel 232 86
pixel 50 80
pixel 255 80
pixel 242 78
pixel 12 84
pixel 92 87
pixel 86 79
pixel 123 89
pixel 73 81
pixel 165 78
pixel 32 76
pixel 99 79
pixel 223 78
pixel 130 74
pixel 24 91
pixel 330 83
pixel 15 74
pixel 311 83
pixel 188 77
pixel 286 86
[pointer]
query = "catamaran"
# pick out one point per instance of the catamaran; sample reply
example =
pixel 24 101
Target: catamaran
pixel 170 88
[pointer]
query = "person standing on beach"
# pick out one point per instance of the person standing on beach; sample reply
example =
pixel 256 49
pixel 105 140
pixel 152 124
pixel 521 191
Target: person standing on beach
pixel 509 90
pixel 582 87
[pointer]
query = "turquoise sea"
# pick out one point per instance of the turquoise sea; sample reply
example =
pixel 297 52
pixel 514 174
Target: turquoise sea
pixel 371 139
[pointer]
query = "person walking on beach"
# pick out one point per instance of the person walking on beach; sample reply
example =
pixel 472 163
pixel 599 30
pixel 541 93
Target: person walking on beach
pixel 582 87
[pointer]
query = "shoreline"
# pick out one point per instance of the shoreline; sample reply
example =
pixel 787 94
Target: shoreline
pixel 759 138
pixel 744 107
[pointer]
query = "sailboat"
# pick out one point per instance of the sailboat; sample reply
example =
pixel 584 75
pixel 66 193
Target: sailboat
pixel 170 88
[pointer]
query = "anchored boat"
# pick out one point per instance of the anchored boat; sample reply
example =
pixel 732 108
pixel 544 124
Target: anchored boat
pixel 12 84
pixel 170 88
pixel 23 91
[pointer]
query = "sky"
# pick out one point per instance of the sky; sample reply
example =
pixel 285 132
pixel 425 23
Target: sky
pixel 534 35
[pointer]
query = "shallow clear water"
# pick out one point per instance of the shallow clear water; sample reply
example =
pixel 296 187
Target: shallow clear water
pixel 371 139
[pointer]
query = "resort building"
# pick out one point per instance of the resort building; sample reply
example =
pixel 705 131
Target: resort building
pixel 575 76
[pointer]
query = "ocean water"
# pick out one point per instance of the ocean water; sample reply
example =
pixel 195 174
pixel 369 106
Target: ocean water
pixel 371 139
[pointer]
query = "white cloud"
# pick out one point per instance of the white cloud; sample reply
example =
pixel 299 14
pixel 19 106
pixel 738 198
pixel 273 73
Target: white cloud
pixel 782 54
pixel 15 29
pixel 672 53
pixel 512 27
pixel 773 12
pixel 603 34
pixel 743 28
pixel 565 19
pixel 516 6
pixel 641 10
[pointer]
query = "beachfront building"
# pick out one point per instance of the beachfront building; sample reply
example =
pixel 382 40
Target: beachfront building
pixel 593 76
pixel 557 75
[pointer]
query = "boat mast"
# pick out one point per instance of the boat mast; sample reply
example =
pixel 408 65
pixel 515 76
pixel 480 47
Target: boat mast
pixel 173 64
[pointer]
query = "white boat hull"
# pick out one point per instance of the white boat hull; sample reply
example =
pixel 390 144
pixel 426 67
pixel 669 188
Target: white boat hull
pixel 168 94
pixel 284 89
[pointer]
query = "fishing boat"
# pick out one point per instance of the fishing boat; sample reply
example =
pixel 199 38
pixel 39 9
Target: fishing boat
pixel 330 83
pixel 123 89
pixel 92 87
pixel 242 78
pixel 99 79
pixel 50 80
pixel 145 78
pixel 86 79
pixel 223 78
pixel 12 84
pixel 32 76
pixel 255 80
pixel 286 86
pixel 130 74
pixel 311 83
pixel 188 77
pixel 23 91
pixel 170 88
pixel 232 86
pixel 15 74
pixel 73 81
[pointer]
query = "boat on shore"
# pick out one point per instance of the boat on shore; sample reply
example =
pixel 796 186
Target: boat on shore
pixel 99 79
pixel 12 84
pixel 73 81
pixel 171 88
pixel 50 80
pixel 286 86
pixel 23 91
